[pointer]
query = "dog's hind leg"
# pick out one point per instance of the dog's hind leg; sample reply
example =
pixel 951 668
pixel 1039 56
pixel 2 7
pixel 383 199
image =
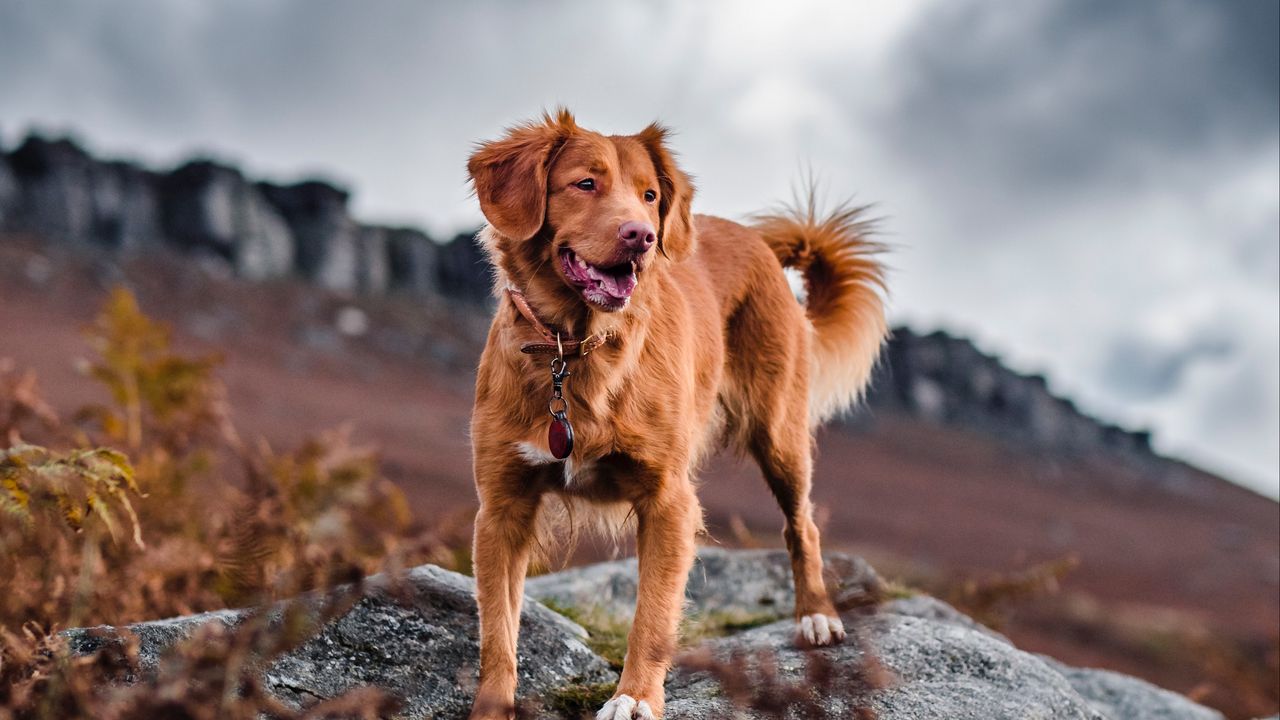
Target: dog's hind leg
pixel 768 401
pixel 781 445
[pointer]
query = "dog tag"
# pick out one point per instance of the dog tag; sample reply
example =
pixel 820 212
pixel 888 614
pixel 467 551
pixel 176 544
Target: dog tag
pixel 560 437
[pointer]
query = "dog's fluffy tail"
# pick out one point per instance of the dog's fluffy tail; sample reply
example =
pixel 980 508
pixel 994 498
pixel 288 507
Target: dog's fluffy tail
pixel 844 285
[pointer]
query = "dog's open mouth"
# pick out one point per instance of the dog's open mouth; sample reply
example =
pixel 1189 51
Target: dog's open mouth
pixel 608 287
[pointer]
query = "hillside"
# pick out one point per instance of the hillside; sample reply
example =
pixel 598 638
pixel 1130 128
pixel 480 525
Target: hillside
pixel 958 473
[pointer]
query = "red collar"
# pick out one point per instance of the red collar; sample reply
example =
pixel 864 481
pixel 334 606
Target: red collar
pixel 555 343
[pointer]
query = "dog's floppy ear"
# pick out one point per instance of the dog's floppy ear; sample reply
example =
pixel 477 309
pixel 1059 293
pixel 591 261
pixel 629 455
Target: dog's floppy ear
pixel 676 235
pixel 510 174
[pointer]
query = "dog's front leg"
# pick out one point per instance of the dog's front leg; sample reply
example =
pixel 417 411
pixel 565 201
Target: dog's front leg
pixel 669 520
pixel 500 558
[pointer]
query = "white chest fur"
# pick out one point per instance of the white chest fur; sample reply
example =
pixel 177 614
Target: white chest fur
pixel 574 473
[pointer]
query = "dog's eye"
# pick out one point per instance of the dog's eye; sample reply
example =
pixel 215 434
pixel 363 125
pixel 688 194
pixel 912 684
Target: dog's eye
pixel 650 196
pixel 587 184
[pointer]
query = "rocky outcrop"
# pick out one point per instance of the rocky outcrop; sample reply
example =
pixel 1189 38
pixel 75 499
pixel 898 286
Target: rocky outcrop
pixel 936 669
pixel 55 190
pixel 417 642
pixel 9 194
pixel 941 663
pixel 1113 695
pixel 373 260
pixel 464 270
pixel 931 661
pixel 949 381
pixel 212 208
pixel 412 261
pixel 66 195
pixel 327 240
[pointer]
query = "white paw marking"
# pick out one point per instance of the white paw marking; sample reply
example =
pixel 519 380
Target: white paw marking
pixel 818 629
pixel 625 707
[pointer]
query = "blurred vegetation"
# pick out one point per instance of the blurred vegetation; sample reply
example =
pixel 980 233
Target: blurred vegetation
pixel 992 598
pixel 150 505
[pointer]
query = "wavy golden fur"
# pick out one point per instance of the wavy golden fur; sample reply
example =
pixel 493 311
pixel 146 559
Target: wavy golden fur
pixel 708 346
pixel 844 285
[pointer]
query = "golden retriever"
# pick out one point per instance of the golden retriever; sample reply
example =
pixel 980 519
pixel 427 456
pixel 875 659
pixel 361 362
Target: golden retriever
pixel 631 339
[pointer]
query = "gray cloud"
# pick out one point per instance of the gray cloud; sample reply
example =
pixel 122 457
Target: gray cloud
pixel 1134 369
pixel 1048 95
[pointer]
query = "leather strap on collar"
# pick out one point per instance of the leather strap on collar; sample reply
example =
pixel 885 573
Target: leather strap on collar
pixel 555 343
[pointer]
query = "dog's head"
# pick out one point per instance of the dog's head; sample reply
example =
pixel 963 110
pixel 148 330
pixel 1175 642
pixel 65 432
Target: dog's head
pixel 588 211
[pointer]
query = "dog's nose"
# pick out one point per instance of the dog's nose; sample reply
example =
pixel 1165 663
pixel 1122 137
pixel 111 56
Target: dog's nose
pixel 636 235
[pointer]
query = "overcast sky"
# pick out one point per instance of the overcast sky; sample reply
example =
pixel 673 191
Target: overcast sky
pixel 1090 189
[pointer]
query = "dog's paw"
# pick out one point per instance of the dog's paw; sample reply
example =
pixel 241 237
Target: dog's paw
pixel 817 630
pixel 625 707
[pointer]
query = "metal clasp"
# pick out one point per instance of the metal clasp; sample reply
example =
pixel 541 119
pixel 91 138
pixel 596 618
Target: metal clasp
pixel 558 406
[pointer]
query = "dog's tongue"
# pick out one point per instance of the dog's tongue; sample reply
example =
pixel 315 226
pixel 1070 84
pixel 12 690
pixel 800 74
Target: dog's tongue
pixel 617 286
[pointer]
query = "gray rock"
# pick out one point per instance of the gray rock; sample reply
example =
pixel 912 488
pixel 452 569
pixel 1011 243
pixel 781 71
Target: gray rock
pixel 155 637
pixel 10 195
pixel 212 208
pixel 925 607
pixel 1120 696
pixel 940 667
pixel 373 261
pixel 939 670
pixel 946 664
pixel 57 189
pixel 945 670
pixel 66 195
pixel 413 258
pixel 947 380
pixel 752 584
pixel 328 240
pixel 463 271
pixel 126 207
pixel 423 650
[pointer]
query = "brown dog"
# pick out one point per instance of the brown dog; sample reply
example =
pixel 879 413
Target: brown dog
pixel 680 334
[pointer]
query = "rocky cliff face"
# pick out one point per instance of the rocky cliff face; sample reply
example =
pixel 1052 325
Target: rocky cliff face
pixel 949 381
pixel 910 658
pixel 53 189
pixel 213 208
pixel 60 191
